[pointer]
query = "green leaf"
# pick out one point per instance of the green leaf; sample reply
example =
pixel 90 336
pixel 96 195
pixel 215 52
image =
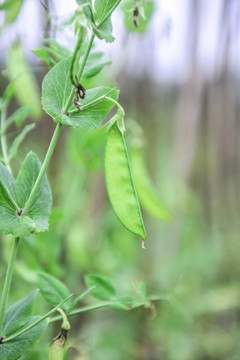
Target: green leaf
pixel 8 92
pixel 103 8
pixel 43 54
pixel 146 9
pixel 18 315
pixel 11 223
pixel 103 288
pixel 56 89
pixel 53 290
pixel 14 349
pixel 17 141
pixel 18 117
pixel 40 209
pixel 104 31
pixel 26 87
pixel 93 67
pixel 14 194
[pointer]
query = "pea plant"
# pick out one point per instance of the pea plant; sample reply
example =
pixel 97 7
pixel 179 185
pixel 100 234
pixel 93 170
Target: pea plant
pixel 26 201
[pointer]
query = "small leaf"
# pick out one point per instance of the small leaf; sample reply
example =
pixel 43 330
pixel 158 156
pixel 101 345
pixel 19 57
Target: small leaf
pixel 53 290
pixel 43 54
pixel 18 117
pixel 17 141
pixel 8 92
pixel 104 31
pixel 18 315
pixel 14 349
pixel 103 288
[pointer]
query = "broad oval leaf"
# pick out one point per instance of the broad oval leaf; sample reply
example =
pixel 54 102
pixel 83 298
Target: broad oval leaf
pixel 57 87
pixel 53 290
pixel 18 315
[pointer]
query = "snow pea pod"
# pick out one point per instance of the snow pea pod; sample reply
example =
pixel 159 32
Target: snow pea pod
pixel 119 182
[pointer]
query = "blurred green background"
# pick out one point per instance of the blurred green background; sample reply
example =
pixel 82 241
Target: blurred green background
pixel 184 128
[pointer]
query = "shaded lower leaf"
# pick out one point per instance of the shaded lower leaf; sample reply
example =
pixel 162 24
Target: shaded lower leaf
pixel 14 349
pixel 18 315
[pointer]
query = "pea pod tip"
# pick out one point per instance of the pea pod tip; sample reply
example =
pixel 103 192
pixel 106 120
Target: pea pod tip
pixel 143 245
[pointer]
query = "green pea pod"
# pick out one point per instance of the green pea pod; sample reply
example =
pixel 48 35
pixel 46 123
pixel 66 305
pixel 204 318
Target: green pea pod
pixel 119 182
pixel 58 350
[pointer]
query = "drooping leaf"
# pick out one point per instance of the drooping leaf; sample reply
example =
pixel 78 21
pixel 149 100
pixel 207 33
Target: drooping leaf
pixel 57 87
pixel 17 141
pixel 26 88
pixel 18 117
pixel 21 345
pixel 8 92
pixel 43 54
pixel 18 315
pixel 104 31
pixel 103 288
pixel 53 290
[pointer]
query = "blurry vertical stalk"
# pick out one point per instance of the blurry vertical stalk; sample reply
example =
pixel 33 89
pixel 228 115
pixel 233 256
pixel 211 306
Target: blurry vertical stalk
pixel 188 112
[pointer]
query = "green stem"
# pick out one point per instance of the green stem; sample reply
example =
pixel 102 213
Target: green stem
pixel 81 310
pixel 43 168
pixel 7 282
pixel 108 14
pixel 83 63
pixel 116 103
pixel 4 141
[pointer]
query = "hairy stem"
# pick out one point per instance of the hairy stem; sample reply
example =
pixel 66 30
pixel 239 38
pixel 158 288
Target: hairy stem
pixel 4 141
pixel 7 282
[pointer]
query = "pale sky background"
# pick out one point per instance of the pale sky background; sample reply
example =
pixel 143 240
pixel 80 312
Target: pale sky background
pixel 164 55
